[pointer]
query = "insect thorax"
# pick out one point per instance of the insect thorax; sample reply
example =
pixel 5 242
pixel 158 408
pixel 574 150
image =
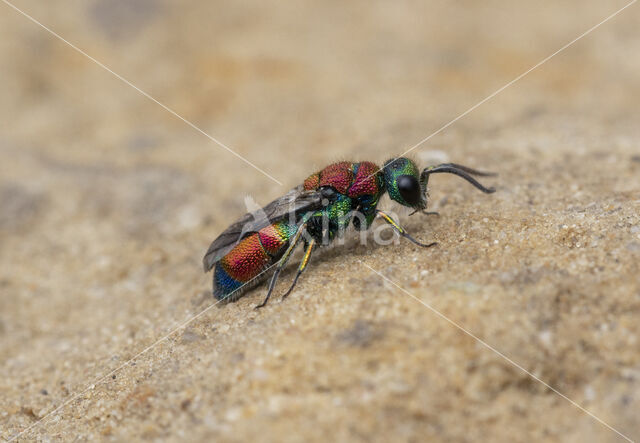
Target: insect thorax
pixel 357 186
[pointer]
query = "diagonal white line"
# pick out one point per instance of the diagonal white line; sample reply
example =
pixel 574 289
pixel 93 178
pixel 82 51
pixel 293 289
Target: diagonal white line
pixel 498 91
pixel 181 326
pixel 119 77
pixel 541 62
pixel 488 346
pixel 145 350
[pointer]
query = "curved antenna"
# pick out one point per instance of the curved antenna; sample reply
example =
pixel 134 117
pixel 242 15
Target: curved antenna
pixel 469 170
pixel 459 170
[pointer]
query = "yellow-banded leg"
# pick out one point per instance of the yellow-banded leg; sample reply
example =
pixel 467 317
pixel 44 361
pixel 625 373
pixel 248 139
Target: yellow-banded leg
pixel 283 261
pixel 400 230
pixel 302 267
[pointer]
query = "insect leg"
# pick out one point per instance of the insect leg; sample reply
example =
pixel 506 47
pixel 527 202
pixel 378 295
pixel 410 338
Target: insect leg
pixel 302 267
pixel 283 261
pixel 400 230
pixel 425 212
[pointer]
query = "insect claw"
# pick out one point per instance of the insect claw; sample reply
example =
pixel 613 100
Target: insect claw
pixel 413 240
pixel 424 245
pixel 424 212
pixel 290 290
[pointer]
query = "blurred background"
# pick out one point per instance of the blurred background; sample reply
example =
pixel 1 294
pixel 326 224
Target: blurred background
pixel 108 202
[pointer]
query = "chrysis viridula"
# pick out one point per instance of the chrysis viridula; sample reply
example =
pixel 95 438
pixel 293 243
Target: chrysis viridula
pixel 315 213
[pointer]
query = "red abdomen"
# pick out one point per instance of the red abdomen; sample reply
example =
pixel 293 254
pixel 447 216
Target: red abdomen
pixel 249 258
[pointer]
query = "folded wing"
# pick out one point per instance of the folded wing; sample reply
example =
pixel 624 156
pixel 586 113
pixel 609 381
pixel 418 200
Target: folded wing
pixel 291 204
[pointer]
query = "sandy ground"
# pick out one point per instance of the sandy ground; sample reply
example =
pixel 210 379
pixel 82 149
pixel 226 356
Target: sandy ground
pixel 108 202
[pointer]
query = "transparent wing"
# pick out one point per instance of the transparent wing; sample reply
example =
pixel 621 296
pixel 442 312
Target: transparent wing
pixel 295 201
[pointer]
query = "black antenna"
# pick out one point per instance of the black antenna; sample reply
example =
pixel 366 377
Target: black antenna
pixel 460 171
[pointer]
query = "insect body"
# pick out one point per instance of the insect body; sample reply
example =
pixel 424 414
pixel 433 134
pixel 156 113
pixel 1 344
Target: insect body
pixel 313 214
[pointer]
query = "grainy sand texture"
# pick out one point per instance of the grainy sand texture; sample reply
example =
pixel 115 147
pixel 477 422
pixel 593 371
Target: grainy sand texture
pixel 108 203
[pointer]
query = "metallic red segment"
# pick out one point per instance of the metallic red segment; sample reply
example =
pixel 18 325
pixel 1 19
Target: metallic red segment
pixel 246 260
pixel 312 182
pixel 366 181
pixel 339 175
pixel 273 237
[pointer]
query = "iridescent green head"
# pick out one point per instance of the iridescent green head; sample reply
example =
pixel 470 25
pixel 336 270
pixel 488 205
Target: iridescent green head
pixel 408 186
pixel 402 181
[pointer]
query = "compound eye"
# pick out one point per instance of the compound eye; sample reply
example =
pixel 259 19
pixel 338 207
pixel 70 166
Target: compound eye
pixel 409 189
